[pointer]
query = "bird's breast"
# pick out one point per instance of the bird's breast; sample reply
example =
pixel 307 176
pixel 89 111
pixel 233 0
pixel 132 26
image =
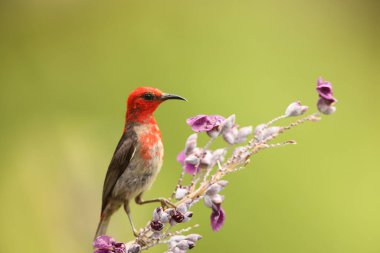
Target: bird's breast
pixel 150 143
pixel 144 165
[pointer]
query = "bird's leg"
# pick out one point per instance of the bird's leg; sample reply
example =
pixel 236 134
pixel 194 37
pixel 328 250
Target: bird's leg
pixel 164 202
pixel 128 211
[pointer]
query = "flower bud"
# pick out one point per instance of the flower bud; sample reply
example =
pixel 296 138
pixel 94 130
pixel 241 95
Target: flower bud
pixel 245 131
pixel 295 109
pixel 156 225
pixel 259 129
pixel 165 217
pixel 214 132
pixel 228 123
pixel 222 183
pixel 185 244
pixel 207 201
pixel 192 159
pixel 214 189
pixel 134 248
pixel 206 159
pixel 193 237
pixel 242 134
pixel 177 238
pixel 178 250
pixel 182 208
pixel 188 216
pixel 218 155
pixel 229 137
pixel 217 198
pixel 325 106
pixel 267 133
pixel 157 213
pixel 180 193
pixel 178 217
pixel 191 144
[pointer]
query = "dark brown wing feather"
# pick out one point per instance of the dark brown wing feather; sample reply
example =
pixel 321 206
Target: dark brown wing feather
pixel 120 161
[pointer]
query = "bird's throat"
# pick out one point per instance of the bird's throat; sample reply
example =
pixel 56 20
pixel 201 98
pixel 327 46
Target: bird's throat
pixel 139 117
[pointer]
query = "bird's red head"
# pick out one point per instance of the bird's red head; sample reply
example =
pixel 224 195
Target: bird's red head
pixel 143 101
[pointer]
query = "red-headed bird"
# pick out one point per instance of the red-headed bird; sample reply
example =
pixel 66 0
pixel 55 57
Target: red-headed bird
pixel 137 158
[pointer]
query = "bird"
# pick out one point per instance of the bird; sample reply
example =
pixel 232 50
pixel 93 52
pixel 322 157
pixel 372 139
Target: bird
pixel 137 159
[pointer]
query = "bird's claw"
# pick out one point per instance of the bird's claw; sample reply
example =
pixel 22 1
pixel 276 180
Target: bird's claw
pixel 135 233
pixel 166 203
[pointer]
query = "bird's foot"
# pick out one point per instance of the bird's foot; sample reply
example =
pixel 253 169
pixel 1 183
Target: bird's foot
pixel 166 203
pixel 135 233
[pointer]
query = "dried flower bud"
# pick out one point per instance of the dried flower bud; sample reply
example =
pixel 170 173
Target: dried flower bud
pixel 296 109
pixel 180 193
pixel 178 217
pixel 156 225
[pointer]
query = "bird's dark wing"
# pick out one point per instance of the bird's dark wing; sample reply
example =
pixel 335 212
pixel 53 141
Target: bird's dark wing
pixel 120 161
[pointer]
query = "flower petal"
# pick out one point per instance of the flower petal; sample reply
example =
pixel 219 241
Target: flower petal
pixel 181 157
pixel 205 123
pixel 325 107
pixel 325 90
pixel 191 169
pixel 103 242
pixel 217 219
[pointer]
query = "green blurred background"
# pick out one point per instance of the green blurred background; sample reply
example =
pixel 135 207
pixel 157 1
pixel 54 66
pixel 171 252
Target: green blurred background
pixel 67 67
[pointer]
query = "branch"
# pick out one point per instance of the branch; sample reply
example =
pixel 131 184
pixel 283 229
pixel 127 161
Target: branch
pixel 206 183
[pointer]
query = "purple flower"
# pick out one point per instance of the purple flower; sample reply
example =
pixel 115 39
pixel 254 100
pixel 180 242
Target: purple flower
pixel 325 91
pixel 206 123
pixel 106 244
pixel 103 242
pixel 217 218
pixel 326 98
pixel 188 167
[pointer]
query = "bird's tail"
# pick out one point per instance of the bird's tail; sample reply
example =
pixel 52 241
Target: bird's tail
pixel 103 224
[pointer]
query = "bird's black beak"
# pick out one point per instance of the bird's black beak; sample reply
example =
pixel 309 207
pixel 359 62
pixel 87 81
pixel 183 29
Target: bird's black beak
pixel 166 96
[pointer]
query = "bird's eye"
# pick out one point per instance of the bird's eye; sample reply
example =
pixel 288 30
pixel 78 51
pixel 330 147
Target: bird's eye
pixel 148 96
